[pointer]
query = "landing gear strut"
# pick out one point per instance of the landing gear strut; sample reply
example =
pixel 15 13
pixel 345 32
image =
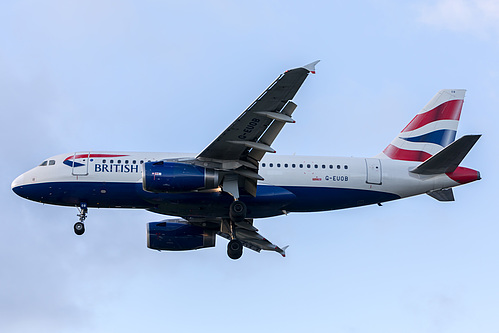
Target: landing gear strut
pixel 79 227
pixel 237 213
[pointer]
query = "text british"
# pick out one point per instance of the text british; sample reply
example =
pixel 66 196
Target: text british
pixel 122 168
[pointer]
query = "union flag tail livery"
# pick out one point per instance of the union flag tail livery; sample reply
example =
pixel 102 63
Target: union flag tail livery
pixel 432 129
pixel 236 178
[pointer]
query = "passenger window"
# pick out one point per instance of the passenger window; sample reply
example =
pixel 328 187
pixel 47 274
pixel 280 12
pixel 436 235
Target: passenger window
pixel 293 165
pixel 126 161
pixel 103 161
pixel 111 161
pixel 338 167
pixel 301 166
pixel 323 166
pixel 286 165
pixel 316 166
pixel 134 162
pixel 308 166
pixel 263 165
pixel 141 162
pixel 278 165
pixel 44 163
pixel 271 165
pixel 346 167
pixel 119 161
pixel 51 162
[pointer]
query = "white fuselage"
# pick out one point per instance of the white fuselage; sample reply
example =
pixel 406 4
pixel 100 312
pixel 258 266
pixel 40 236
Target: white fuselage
pixel 305 183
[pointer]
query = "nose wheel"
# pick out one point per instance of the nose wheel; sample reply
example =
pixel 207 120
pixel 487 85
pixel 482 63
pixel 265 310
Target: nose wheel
pixel 79 227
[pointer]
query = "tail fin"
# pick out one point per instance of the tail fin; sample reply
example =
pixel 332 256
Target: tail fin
pixel 432 129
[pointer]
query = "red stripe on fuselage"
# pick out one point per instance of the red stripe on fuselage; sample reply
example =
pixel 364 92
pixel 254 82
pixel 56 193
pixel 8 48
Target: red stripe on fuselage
pixel 93 156
pixel 405 155
pixel 450 110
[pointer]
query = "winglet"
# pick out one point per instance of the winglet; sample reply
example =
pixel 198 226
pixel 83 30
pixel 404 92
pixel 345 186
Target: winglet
pixel 282 251
pixel 311 67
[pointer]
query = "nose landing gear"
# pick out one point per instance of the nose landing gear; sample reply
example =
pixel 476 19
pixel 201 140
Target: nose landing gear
pixel 79 227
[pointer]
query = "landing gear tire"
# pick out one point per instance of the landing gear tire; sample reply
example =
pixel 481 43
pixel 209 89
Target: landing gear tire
pixel 235 249
pixel 79 228
pixel 237 211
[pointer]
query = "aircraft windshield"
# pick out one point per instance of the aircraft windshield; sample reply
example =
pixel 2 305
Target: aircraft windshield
pixel 45 163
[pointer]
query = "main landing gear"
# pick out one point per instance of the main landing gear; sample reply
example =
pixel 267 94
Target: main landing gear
pixel 237 213
pixel 235 249
pixel 79 227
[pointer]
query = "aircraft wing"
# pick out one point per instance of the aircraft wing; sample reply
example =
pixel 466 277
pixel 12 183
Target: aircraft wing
pixel 250 238
pixel 242 145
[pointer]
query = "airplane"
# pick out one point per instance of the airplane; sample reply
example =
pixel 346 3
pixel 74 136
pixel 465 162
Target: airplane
pixel 233 181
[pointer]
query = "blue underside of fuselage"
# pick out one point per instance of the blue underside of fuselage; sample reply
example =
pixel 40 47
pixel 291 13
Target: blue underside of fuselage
pixel 270 200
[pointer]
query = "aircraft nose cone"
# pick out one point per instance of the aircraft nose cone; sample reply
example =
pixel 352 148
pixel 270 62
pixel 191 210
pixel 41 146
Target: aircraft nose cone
pixel 17 185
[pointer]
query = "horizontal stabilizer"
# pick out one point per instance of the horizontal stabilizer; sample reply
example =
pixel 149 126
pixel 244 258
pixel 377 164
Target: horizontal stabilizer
pixel 442 195
pixel 448 159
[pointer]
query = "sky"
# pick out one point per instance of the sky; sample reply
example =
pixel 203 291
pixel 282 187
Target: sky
pixel 170 76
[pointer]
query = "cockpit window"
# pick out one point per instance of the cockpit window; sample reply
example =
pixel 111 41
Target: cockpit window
pixel 44 163
pixel 51 162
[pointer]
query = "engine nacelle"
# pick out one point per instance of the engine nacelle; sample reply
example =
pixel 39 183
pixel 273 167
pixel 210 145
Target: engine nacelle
pixel 178 235
pixel 161 177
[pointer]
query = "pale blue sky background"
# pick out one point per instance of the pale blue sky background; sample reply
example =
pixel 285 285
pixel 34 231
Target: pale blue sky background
pixel 170 76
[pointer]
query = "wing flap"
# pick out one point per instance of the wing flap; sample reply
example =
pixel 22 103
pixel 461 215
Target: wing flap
pixel 253 240
pixel 275 128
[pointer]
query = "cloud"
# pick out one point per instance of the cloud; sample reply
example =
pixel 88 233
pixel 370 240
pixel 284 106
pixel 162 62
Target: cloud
pixel 479 17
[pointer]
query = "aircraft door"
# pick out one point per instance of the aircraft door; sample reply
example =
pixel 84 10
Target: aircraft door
pixel 373 166
pixel 80 163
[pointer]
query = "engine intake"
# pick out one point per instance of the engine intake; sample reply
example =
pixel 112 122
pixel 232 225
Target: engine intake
pixel 178 235
pixel 161 177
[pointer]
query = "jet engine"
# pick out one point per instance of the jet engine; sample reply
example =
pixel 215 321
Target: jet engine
pixel 162 177
pixel 178 235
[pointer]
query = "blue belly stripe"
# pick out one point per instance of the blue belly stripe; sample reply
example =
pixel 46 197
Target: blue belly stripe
pixel 270 200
